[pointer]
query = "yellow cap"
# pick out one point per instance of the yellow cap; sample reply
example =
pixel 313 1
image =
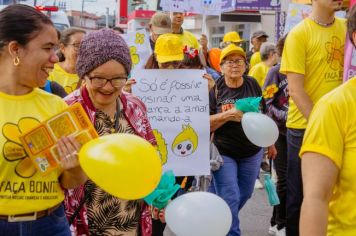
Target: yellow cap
pixel 169 47
pixel 232 49
pixel 233 37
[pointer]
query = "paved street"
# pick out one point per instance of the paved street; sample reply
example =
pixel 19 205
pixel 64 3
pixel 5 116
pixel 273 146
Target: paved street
pixel 255 215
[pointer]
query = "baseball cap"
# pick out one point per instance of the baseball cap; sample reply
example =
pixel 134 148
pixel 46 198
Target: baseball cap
pixel 233 37
pixel 161 23
pixel 169 47
pixel 232 49
pixel 259 33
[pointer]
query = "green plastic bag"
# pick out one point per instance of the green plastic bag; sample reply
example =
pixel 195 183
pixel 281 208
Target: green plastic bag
pixel 271 191
pixel 165 190
pixel 250 104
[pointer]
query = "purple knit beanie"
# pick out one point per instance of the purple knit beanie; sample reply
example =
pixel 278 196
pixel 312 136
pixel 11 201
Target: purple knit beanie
pixel 99 47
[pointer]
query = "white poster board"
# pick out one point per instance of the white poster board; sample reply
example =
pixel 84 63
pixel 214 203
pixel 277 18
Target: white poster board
pixel 177 104
pixel 140 48
pixel 203 7
pixel 298 12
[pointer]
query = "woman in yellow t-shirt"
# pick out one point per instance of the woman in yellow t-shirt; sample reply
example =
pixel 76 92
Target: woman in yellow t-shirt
pixel 30 204
pixel 64 71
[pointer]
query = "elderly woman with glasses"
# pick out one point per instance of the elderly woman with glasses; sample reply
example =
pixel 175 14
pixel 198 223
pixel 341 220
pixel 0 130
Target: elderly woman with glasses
pixel 64 72
pixel 235 180
pixel 104 64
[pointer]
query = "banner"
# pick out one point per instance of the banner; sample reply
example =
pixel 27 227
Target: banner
pixel 178 110
pixel 140 48
pixel 258 5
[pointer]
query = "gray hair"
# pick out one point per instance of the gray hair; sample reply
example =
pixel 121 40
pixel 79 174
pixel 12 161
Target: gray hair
pixel 266 49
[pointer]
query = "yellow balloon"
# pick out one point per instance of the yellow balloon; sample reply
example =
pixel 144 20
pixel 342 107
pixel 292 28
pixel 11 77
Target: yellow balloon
pixel 125 165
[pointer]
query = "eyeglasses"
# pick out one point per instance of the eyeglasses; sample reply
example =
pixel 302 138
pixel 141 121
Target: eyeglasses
pixel 171 65
pixel 101 82
pixel 238 62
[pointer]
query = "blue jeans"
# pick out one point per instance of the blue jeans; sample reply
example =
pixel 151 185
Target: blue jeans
pixel 294 181
pixel 234 182
pixel 55 224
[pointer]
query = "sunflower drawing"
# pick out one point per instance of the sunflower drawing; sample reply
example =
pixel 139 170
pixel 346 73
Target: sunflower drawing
pixel 335 53
pixel 134 56
pixel 270 91
pixel 13 149
pixel 140 38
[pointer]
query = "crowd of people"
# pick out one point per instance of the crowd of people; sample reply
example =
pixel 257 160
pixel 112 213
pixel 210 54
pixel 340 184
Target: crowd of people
pixel 299 80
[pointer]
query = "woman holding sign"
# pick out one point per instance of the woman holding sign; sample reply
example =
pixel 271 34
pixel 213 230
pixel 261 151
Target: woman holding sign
pixel 30 204
pixel 235 180
pixel 104 64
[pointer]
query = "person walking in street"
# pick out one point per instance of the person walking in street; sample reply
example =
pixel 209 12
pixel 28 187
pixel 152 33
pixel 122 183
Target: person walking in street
pixel 30 204
pixel 328 160
pixel 313 62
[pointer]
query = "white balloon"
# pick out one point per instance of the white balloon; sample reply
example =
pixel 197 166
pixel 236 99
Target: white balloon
pixel 260 129
pixel 199 214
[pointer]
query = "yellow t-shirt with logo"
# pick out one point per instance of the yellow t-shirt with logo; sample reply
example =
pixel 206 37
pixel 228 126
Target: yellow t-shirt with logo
pixel 68 81
pixel 259 72
pixel 22 188
pixel 317 53
pixel 255 59
pixel 189 39
pixel 331 131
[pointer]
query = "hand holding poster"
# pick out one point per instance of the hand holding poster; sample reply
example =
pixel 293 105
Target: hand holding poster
pixel 178 110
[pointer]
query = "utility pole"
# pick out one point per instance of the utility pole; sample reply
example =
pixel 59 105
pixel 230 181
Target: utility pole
pixel 107 18
pixel 81 15
pixel 35 2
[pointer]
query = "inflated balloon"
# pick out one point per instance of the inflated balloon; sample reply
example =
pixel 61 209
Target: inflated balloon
pixel 198 214
pixel 260 129
pixel 124 165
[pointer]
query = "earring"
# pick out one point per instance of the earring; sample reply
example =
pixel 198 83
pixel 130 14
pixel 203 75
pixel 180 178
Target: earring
pixel 16 61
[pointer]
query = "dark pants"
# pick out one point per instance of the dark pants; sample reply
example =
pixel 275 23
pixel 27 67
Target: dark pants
pixel 280 164
pixel 294 181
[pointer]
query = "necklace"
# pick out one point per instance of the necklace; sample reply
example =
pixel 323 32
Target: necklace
pixel 322 24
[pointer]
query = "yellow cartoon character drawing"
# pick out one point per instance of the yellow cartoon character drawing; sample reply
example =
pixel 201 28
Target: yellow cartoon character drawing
pixel 161 146
pixel 13 150
pixel 186 142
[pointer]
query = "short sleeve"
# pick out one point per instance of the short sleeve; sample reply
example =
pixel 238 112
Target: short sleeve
pixel 324 133
pixel 294 53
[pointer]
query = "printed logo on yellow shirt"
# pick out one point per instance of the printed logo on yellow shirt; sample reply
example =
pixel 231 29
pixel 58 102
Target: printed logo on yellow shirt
pixel 270 91
pixel 335 53
pixel 13 150
pixel 71 88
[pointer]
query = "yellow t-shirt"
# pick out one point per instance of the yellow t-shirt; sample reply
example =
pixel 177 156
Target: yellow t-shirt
pixel 317 53
pixel 22 188
pixel 255 59
pixel 259 72
pixel 189 39
pixel 331 131
pixel 68 81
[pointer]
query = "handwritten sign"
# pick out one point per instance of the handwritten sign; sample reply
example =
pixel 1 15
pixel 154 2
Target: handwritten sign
pixel 140 48
pixel 178 110
pixel 204 7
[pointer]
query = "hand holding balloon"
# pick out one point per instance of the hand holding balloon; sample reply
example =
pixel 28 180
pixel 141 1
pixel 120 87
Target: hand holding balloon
pixel 124 165
pixel 260 129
